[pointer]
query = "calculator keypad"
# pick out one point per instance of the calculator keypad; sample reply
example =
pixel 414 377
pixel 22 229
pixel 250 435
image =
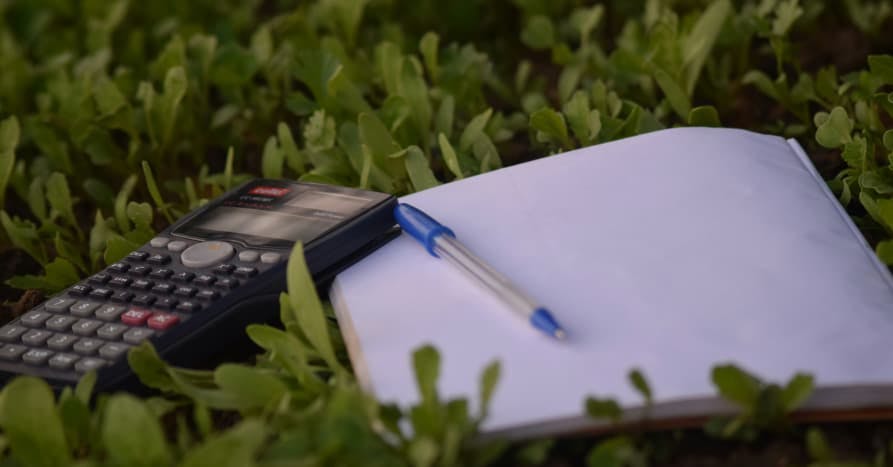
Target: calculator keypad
pixel 144 295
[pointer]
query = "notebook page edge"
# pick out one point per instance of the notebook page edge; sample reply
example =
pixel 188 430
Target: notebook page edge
pixel 882 270
pixel 351 338
pixel 871 401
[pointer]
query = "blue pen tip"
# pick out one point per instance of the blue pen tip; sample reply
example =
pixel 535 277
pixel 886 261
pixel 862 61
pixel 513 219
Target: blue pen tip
pixel 545 322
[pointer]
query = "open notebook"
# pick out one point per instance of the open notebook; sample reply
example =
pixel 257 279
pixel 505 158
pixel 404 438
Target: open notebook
pixel 671 252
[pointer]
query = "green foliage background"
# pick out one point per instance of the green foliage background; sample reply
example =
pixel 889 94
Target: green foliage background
pixel 117 117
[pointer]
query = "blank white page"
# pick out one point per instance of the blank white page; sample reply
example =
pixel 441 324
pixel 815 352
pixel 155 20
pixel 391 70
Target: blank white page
pixel 671 252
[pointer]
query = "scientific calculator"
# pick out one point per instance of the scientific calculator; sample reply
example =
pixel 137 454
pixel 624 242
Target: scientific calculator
pixel 192 289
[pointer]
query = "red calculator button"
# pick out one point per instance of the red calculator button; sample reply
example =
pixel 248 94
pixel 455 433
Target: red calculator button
pixel 135 317
pixel 163 321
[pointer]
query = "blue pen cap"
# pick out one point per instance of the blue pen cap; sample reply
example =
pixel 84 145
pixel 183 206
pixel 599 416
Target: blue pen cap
pixel 421 226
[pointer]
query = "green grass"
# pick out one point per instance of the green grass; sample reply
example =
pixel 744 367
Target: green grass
pixel 117 117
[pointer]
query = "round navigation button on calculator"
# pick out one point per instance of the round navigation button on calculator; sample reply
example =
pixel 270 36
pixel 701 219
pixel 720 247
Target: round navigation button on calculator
pixel 204 254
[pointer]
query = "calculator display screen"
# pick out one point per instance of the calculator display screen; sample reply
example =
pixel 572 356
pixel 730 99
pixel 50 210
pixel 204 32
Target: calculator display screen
pixel 267 215
pixel 332 202
pixel 273 225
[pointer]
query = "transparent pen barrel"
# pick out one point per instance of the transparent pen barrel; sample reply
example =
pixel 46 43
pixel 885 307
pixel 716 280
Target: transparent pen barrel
pixel 451 250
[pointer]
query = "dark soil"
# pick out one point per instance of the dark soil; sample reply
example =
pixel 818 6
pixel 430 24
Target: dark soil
pixel 14 302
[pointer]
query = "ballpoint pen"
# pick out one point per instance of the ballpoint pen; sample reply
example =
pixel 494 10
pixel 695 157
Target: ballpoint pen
pixel 441 242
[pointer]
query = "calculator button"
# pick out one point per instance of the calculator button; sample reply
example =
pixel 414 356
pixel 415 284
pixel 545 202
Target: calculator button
pixel 137 335
pixel 12 351
pixel 122 296
pixel 249 256
pixel 159 259
pixel 60 323
pixel 144 300
pixel 63 360
pixel 36 356
pixel 245 272
pixel 270 258
pixel 36 337
pixel 159 242
pixel 99 279
pixel 205 279
pixel 135 317
pixel 163 288
pixel 61 342
pixel 204 254
pixel 85 327
pixel 166 303
pixel 101 293
pixel 141 270
pixel 177 246
pixel 88 364
pixel 113 351
pixel 34 318
pixel 185 292
pixel 88 346
pixel 59 305
pixel 227 284
pixel 83 309
pixel 111 331
pixel 120 267
pixel 142 284
pixel 207 295
pixel 183 276
pixel 109 312
pixel 11 332
pixel 162 321
pixel 137 256
pixel 80 290
pixel 224 269
pixel 161 273
pixel 119 281
pixel 189 307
